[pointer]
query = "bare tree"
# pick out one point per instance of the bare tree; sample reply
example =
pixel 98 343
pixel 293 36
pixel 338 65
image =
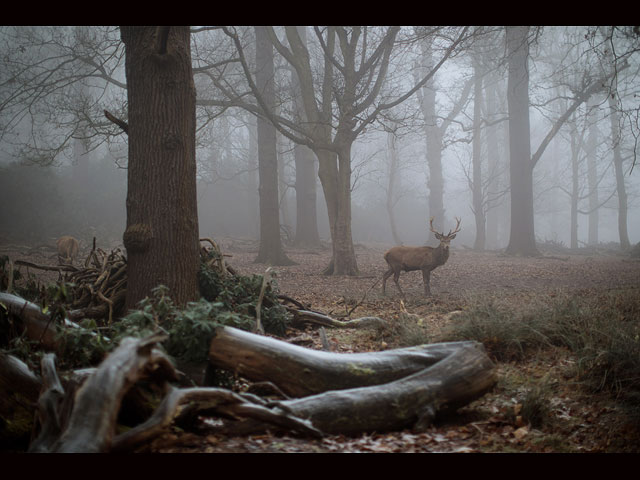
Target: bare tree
pixel 436 125
pixel 271 250
pixel 522 161
pixel 338 107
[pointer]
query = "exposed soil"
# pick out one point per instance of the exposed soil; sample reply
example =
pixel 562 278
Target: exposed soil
pixel 582 422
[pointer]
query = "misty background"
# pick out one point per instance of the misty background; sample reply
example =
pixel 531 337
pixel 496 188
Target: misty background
pixel 63 166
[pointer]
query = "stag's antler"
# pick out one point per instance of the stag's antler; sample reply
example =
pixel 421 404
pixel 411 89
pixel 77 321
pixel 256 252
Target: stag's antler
pixel 431 225
pixel 457 228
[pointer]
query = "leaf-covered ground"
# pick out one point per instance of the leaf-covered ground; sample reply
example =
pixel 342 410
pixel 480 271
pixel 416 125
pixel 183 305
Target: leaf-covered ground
pixel 578 421
pixel 581 421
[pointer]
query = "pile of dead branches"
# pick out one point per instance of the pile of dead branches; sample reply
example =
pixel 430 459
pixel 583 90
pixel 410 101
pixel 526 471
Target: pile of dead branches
pixel 98 289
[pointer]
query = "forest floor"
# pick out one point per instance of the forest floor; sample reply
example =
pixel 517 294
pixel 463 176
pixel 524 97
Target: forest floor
pixel 580 420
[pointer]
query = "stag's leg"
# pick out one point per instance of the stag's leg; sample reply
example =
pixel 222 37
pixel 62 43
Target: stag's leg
pixel 426 276
pixel 385 276
pixel 396 276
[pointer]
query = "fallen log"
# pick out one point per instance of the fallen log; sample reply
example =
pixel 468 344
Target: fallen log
pixel 300 371
pixel 92 422
pixel 38 325
pixel 411 402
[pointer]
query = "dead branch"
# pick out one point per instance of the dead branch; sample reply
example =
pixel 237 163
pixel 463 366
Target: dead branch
pixel 56 268
pixel 302 317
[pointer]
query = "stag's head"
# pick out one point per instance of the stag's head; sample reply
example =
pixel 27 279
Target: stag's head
pixel 445 239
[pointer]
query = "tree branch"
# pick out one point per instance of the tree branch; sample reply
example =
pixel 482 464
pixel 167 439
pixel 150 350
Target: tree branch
pixel 121 123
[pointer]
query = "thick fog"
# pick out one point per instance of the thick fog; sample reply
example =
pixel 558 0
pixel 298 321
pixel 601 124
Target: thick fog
pixel 63 165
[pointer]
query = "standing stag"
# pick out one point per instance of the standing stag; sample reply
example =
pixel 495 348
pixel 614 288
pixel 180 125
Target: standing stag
pixel 67 249
pixel 418 258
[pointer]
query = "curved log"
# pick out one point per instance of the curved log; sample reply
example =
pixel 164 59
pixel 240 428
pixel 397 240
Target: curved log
pixel 300 371
pixel 410 402
pixel 93 421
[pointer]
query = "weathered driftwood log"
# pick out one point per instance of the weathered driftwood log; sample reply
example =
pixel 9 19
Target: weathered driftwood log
pixel 300 371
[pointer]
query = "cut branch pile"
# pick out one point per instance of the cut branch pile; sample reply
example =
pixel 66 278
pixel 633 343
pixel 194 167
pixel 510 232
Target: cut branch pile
pixel 101 286
pixel 98 290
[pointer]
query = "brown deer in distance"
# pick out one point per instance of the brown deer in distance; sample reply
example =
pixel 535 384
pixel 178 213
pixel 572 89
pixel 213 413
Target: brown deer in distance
pixel 418 258
pixel 67 249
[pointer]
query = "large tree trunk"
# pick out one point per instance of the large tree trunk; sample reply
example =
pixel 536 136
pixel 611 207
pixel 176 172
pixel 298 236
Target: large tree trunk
pixel 253 200
pixel 494 185
pixel 592 175
pixel 271 250
pixel 576 145
pixel 433 134
pixel 306 212
pixel 617 163
pixel 522 237
pixel 335 176
pixel 476 186
pixel 392 185
pixel 162 217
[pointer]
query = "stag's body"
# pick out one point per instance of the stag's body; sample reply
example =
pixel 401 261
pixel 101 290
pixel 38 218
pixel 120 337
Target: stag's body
pixel 67 249
pixel 418 258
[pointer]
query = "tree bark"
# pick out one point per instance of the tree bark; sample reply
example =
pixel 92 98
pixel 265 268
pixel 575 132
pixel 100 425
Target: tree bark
pixel 306 211
pixel 620 186
pixel 161 237
pixel 391 186
pixel 270 250
pixel 522 237
pixel 592 175
pixel 576 145
pixel 433 135
pixel 476 184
